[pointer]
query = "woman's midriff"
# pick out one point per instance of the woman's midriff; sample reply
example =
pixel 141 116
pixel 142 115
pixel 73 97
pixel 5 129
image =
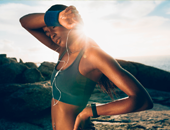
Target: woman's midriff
pixel 63 115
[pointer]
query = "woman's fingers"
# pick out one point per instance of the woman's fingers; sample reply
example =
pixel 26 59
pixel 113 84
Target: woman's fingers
pixel 70 8
pixel 70 18
pixel 77 123
pixel 69 12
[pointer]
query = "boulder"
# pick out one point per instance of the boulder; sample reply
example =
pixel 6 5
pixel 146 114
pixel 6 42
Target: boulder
pixel 26 100
pixel 46 68
pixel 160 97
pixel 31 76
pixel 128 66
pixel 37 123
pixel 4 60
pixel 2 55
pixel 11 73
pixel 152 77
pixel 20 61
pixel 30 65
pixel 148 76
pixel 13 58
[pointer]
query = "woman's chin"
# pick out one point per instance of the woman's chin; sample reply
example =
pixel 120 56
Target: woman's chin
pixel 62 44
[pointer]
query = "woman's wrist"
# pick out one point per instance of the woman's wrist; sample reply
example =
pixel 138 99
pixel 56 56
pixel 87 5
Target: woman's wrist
pixel 87 112
pixel 94 111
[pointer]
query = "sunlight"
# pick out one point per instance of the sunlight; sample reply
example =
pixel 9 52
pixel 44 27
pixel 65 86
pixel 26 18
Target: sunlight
pixel 114 40
pixel 104 35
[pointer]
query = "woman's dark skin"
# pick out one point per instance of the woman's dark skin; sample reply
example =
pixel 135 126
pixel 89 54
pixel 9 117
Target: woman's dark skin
pixel 93 64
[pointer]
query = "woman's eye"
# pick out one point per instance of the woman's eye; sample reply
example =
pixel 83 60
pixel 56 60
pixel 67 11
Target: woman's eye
pixel 54 26
pixel 48 34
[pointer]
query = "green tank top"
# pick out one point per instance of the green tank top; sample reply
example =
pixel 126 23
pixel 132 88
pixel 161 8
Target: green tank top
pixel 75 88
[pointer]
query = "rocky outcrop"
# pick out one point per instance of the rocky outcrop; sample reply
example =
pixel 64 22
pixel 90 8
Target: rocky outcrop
pixel 30 65
pixel 149 77
pixel 14 72
pixel 4 60
pixel 24 100
pixel 2 55
pixel 25 97
pixel 153 119
pixel 156 118
pixel 11 73
pixel 46 68
pixel 32 75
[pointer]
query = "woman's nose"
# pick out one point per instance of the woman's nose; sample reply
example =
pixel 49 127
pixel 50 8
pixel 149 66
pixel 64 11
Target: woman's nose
pixel 53 35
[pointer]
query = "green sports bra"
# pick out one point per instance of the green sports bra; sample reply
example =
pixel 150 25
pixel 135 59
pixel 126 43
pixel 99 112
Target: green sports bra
pixel 71 87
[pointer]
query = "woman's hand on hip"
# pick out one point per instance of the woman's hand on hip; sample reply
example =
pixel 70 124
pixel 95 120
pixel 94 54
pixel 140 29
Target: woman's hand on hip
pixel 82 119
pixel 70 18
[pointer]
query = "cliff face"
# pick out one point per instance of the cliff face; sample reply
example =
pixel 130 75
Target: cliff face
pixel 25 97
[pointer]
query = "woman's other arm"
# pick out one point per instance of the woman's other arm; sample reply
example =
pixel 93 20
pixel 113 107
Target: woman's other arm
pixel 138 98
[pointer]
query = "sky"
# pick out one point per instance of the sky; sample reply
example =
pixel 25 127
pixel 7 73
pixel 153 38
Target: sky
pixel 122 28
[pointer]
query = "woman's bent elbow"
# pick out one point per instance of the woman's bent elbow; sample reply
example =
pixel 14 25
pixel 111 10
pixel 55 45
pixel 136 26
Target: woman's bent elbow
pixel 21 21
pixel 148 104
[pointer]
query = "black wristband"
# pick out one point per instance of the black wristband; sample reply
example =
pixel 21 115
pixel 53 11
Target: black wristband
pixel 93 107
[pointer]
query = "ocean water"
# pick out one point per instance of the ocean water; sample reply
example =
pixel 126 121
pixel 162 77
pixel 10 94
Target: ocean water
pixel 161 62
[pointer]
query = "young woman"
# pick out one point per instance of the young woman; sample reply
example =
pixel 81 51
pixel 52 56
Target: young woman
pixel 82 65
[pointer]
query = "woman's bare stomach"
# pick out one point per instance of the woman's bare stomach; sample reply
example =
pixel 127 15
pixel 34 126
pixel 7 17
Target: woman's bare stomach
pixel 63 115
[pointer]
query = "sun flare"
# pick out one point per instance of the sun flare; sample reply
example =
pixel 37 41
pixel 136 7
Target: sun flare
pixel 99 30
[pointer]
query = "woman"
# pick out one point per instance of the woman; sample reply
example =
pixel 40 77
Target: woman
pixel 82 65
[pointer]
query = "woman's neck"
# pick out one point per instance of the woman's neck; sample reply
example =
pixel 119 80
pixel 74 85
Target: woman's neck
pixel 76 40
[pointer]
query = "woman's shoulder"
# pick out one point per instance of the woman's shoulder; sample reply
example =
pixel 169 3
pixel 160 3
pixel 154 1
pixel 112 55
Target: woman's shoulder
pixel 94 53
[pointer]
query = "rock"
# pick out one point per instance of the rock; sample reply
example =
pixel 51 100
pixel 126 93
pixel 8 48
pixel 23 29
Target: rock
pixel 2 55
pixel 30 65
pixel 26 100
pixel 31 76
pixel 46 68
pixel 6 124
pixel 144 120
pixel 4 60
pixel 128 66
pixel 13 58
pixel 11 73
pixel 38 123
pixel 156 118
pixel 149 77
pixel 27 106
pixel 160 97
pixel 20 61
pixel 152 77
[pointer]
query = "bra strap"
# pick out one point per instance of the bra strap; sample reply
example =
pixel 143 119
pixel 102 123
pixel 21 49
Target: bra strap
pixel 61 56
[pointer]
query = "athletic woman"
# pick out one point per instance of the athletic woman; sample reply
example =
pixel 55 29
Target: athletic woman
pixel 81 65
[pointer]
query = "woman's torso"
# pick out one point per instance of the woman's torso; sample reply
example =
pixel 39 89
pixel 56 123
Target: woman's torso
pixel 63 112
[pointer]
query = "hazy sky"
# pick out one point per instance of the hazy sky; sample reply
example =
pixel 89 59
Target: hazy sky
pixel 121 28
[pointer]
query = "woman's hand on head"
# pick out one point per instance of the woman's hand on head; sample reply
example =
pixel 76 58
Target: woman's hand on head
pixel 70 18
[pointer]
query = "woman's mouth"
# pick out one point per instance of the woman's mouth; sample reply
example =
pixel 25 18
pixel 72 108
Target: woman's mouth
pixel 58 41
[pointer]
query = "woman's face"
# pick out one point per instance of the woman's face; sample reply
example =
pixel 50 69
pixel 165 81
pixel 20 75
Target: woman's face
pixel 57 34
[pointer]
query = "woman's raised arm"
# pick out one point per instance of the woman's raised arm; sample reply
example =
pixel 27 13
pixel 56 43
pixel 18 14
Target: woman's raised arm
pixel 34 24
